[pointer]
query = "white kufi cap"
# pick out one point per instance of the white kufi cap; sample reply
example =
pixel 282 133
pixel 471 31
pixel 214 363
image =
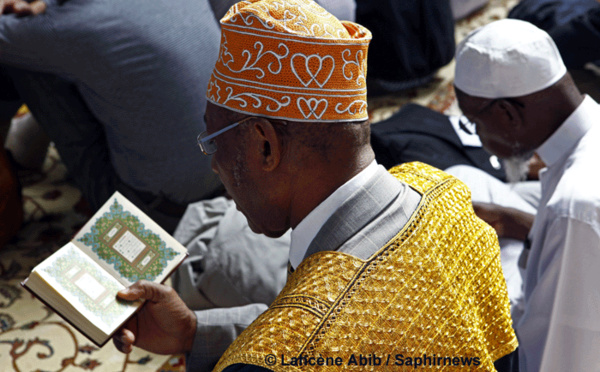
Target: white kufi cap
pixel 507 58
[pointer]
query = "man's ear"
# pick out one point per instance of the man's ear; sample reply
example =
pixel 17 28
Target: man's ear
pixel 267 145
pixel 511 111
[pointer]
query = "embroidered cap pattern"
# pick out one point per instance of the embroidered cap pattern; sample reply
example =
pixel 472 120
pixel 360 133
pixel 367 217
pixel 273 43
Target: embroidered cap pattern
pixel 291 59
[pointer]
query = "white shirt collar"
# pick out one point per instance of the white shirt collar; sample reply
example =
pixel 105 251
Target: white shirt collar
pixel 308 228
pixel 570 132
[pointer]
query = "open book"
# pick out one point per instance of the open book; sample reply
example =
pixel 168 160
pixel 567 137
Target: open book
pixel 117 247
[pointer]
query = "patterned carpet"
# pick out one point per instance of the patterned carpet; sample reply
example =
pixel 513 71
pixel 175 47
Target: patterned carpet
pixel 33 338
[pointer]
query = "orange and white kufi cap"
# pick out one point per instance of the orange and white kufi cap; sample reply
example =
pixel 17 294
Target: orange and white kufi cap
pixel 291 59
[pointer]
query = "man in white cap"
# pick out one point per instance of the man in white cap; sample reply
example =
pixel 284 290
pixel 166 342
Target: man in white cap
pixel 511 82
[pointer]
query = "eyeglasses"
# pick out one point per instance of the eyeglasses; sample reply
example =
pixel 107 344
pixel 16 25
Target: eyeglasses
pixel 206 141
pixel 467 126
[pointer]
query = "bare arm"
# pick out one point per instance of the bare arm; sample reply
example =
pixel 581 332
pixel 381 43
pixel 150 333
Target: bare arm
pixel 22 8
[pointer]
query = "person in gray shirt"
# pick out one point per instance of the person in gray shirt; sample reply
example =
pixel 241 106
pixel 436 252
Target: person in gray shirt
pixel 119 88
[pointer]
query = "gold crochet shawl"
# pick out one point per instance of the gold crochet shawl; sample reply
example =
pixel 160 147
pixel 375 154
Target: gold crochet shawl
pixel 436 291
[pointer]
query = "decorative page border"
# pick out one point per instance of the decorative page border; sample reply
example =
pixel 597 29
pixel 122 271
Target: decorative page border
pixel 93 239
pixel 109 313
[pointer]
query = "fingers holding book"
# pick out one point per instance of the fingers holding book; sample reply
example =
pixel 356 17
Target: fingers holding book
pixel 164 325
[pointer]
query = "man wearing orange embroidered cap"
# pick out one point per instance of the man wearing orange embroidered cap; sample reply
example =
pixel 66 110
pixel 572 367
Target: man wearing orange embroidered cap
pixel 386 268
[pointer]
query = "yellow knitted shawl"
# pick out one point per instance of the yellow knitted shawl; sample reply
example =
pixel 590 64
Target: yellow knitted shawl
pixel 434 297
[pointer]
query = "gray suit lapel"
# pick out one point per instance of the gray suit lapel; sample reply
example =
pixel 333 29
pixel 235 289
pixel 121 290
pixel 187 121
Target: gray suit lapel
pixel 357 211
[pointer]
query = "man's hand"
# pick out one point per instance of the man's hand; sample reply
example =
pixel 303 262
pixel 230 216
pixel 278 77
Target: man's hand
pixel 22 8
pixel 508 222
pixel 164 324
pixel 535 165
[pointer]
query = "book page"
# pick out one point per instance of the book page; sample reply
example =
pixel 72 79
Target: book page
pixel 126 242
pixel 86 286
